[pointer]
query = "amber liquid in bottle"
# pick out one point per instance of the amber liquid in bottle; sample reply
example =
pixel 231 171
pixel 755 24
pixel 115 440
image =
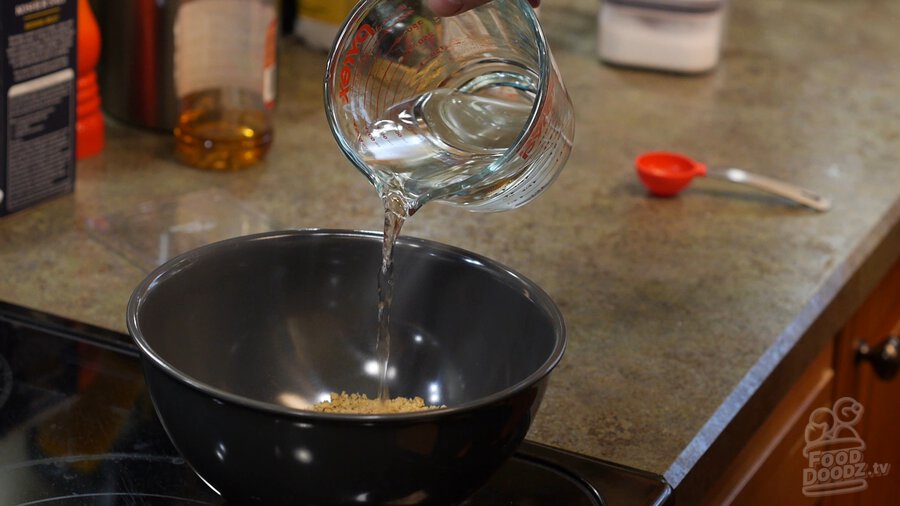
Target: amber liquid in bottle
pixel 223 129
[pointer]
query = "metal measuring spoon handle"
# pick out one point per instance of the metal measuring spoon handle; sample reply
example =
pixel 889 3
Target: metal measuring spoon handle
pixel 795 193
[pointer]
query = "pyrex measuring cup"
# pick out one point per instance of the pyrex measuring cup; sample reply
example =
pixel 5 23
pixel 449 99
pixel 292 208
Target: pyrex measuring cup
pixel 469 109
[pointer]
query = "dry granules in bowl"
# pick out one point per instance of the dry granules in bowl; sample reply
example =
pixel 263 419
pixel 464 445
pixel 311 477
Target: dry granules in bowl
pixel 360 404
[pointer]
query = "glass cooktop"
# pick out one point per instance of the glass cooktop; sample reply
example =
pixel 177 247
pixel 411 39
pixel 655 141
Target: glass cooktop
pixel 77 428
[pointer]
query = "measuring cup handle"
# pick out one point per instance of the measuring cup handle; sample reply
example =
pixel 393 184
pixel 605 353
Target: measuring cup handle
pixel 795 193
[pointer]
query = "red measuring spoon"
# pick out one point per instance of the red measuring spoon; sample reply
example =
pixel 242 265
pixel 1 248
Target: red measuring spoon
pixel 665 173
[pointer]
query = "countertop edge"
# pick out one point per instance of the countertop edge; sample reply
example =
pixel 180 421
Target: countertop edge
pixel 758 391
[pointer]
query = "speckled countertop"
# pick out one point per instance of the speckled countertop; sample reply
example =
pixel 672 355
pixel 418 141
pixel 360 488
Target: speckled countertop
pixel 676 308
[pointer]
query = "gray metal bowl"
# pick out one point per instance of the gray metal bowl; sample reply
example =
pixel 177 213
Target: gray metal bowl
pixel 238 337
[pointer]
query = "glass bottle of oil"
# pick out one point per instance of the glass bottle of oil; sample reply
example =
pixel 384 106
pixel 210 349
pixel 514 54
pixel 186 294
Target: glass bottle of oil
pixel 225 69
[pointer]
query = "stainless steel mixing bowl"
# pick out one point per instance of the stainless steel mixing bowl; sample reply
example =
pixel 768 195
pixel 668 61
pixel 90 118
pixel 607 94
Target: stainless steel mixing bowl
pixel 239 337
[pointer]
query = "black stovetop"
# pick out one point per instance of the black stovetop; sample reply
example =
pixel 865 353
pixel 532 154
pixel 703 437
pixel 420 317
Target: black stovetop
pixel 77 428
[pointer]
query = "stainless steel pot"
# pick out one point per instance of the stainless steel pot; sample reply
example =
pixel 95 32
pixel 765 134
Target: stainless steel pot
pixel 136 62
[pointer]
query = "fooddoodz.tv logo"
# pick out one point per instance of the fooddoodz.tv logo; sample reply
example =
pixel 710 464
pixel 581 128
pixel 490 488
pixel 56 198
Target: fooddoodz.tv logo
pixel 835 453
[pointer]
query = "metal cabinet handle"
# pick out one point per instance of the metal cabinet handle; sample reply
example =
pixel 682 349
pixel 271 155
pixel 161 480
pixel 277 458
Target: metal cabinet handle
pixel 885 358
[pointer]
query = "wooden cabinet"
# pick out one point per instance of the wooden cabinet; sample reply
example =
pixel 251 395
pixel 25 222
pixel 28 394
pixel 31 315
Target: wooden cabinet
pixel 772 468
pixel 879 426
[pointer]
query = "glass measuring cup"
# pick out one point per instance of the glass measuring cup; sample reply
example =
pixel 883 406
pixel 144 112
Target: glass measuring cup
pixel 468 109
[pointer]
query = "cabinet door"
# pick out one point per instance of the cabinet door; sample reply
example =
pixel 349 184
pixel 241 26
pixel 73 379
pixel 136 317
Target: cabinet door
pixel 879 427
pixel 772 468
pixel 769 470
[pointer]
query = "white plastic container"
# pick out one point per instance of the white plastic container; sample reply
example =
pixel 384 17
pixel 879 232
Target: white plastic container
pixel 318 21
pixel 672 35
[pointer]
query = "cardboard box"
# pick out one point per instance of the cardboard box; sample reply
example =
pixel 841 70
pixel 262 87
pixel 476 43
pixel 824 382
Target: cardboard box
pixel 37 106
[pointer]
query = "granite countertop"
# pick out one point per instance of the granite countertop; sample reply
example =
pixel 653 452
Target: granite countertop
pixel 677 309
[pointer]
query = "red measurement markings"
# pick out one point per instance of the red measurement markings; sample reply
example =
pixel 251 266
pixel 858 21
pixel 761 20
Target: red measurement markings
pixel 398 66
pixel 538 131
pixel 365 35
pixel 351 57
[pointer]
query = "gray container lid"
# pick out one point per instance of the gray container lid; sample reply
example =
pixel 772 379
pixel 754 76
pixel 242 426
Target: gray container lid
pixel 687 6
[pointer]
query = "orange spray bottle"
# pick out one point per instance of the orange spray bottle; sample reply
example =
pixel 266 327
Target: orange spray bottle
pixel 89 128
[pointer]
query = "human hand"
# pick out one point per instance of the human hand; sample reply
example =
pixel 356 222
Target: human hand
pixel 453 7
